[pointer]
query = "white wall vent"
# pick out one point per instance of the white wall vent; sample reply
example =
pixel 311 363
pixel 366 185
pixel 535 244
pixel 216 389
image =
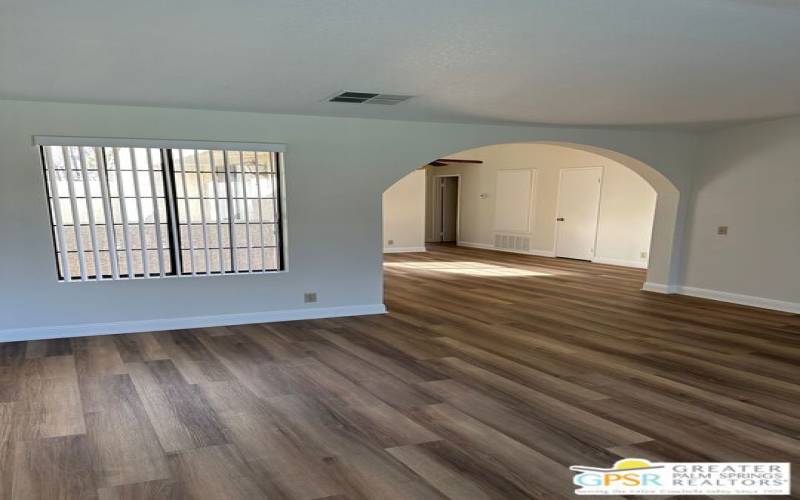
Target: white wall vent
pixel 513 242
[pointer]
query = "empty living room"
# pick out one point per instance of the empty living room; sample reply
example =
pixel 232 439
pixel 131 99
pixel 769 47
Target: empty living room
pixel 354 249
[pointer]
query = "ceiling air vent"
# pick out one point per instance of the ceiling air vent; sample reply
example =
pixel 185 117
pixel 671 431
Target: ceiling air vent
pixel 369 98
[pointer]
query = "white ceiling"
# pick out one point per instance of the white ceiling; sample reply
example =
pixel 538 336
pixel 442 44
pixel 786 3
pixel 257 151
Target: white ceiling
pixel 612 62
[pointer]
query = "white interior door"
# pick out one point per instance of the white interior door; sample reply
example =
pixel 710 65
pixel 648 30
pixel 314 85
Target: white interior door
pixel 578 206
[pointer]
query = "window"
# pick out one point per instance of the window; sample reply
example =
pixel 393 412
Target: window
pixel 143 210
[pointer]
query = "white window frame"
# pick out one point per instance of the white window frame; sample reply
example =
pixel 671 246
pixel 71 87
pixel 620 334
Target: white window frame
pixel 40 141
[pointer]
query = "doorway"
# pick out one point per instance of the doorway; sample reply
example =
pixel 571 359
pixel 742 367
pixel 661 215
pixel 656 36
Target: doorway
pixel 446 208
pixel 635 240
pixel 577 213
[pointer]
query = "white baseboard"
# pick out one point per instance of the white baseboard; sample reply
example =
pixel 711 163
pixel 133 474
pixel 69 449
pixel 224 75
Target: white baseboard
pixel 470 244
pixel 540 253
pixel 745 300
pixel 153 325
pixel 650 286
pixel 733 298
pixel 620 262
pixel 404 249
pixel 487 246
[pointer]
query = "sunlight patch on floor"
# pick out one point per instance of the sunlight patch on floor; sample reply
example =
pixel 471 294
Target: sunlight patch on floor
pixel 465 267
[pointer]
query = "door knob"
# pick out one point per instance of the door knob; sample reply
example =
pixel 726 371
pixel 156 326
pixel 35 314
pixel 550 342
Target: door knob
pixel 560 219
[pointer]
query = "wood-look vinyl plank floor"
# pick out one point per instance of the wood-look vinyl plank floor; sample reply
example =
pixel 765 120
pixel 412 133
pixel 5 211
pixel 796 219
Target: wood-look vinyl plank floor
pixel 491 374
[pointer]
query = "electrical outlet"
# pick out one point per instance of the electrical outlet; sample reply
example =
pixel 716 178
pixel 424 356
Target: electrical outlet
pixel 722 230
pixel 390 242
pixel 643 255
pixel 310 297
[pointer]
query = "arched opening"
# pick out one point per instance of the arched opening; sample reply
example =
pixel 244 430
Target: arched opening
pixel 633 227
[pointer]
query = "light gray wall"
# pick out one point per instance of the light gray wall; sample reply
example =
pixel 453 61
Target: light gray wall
pixel 749 180
pixel 336 171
